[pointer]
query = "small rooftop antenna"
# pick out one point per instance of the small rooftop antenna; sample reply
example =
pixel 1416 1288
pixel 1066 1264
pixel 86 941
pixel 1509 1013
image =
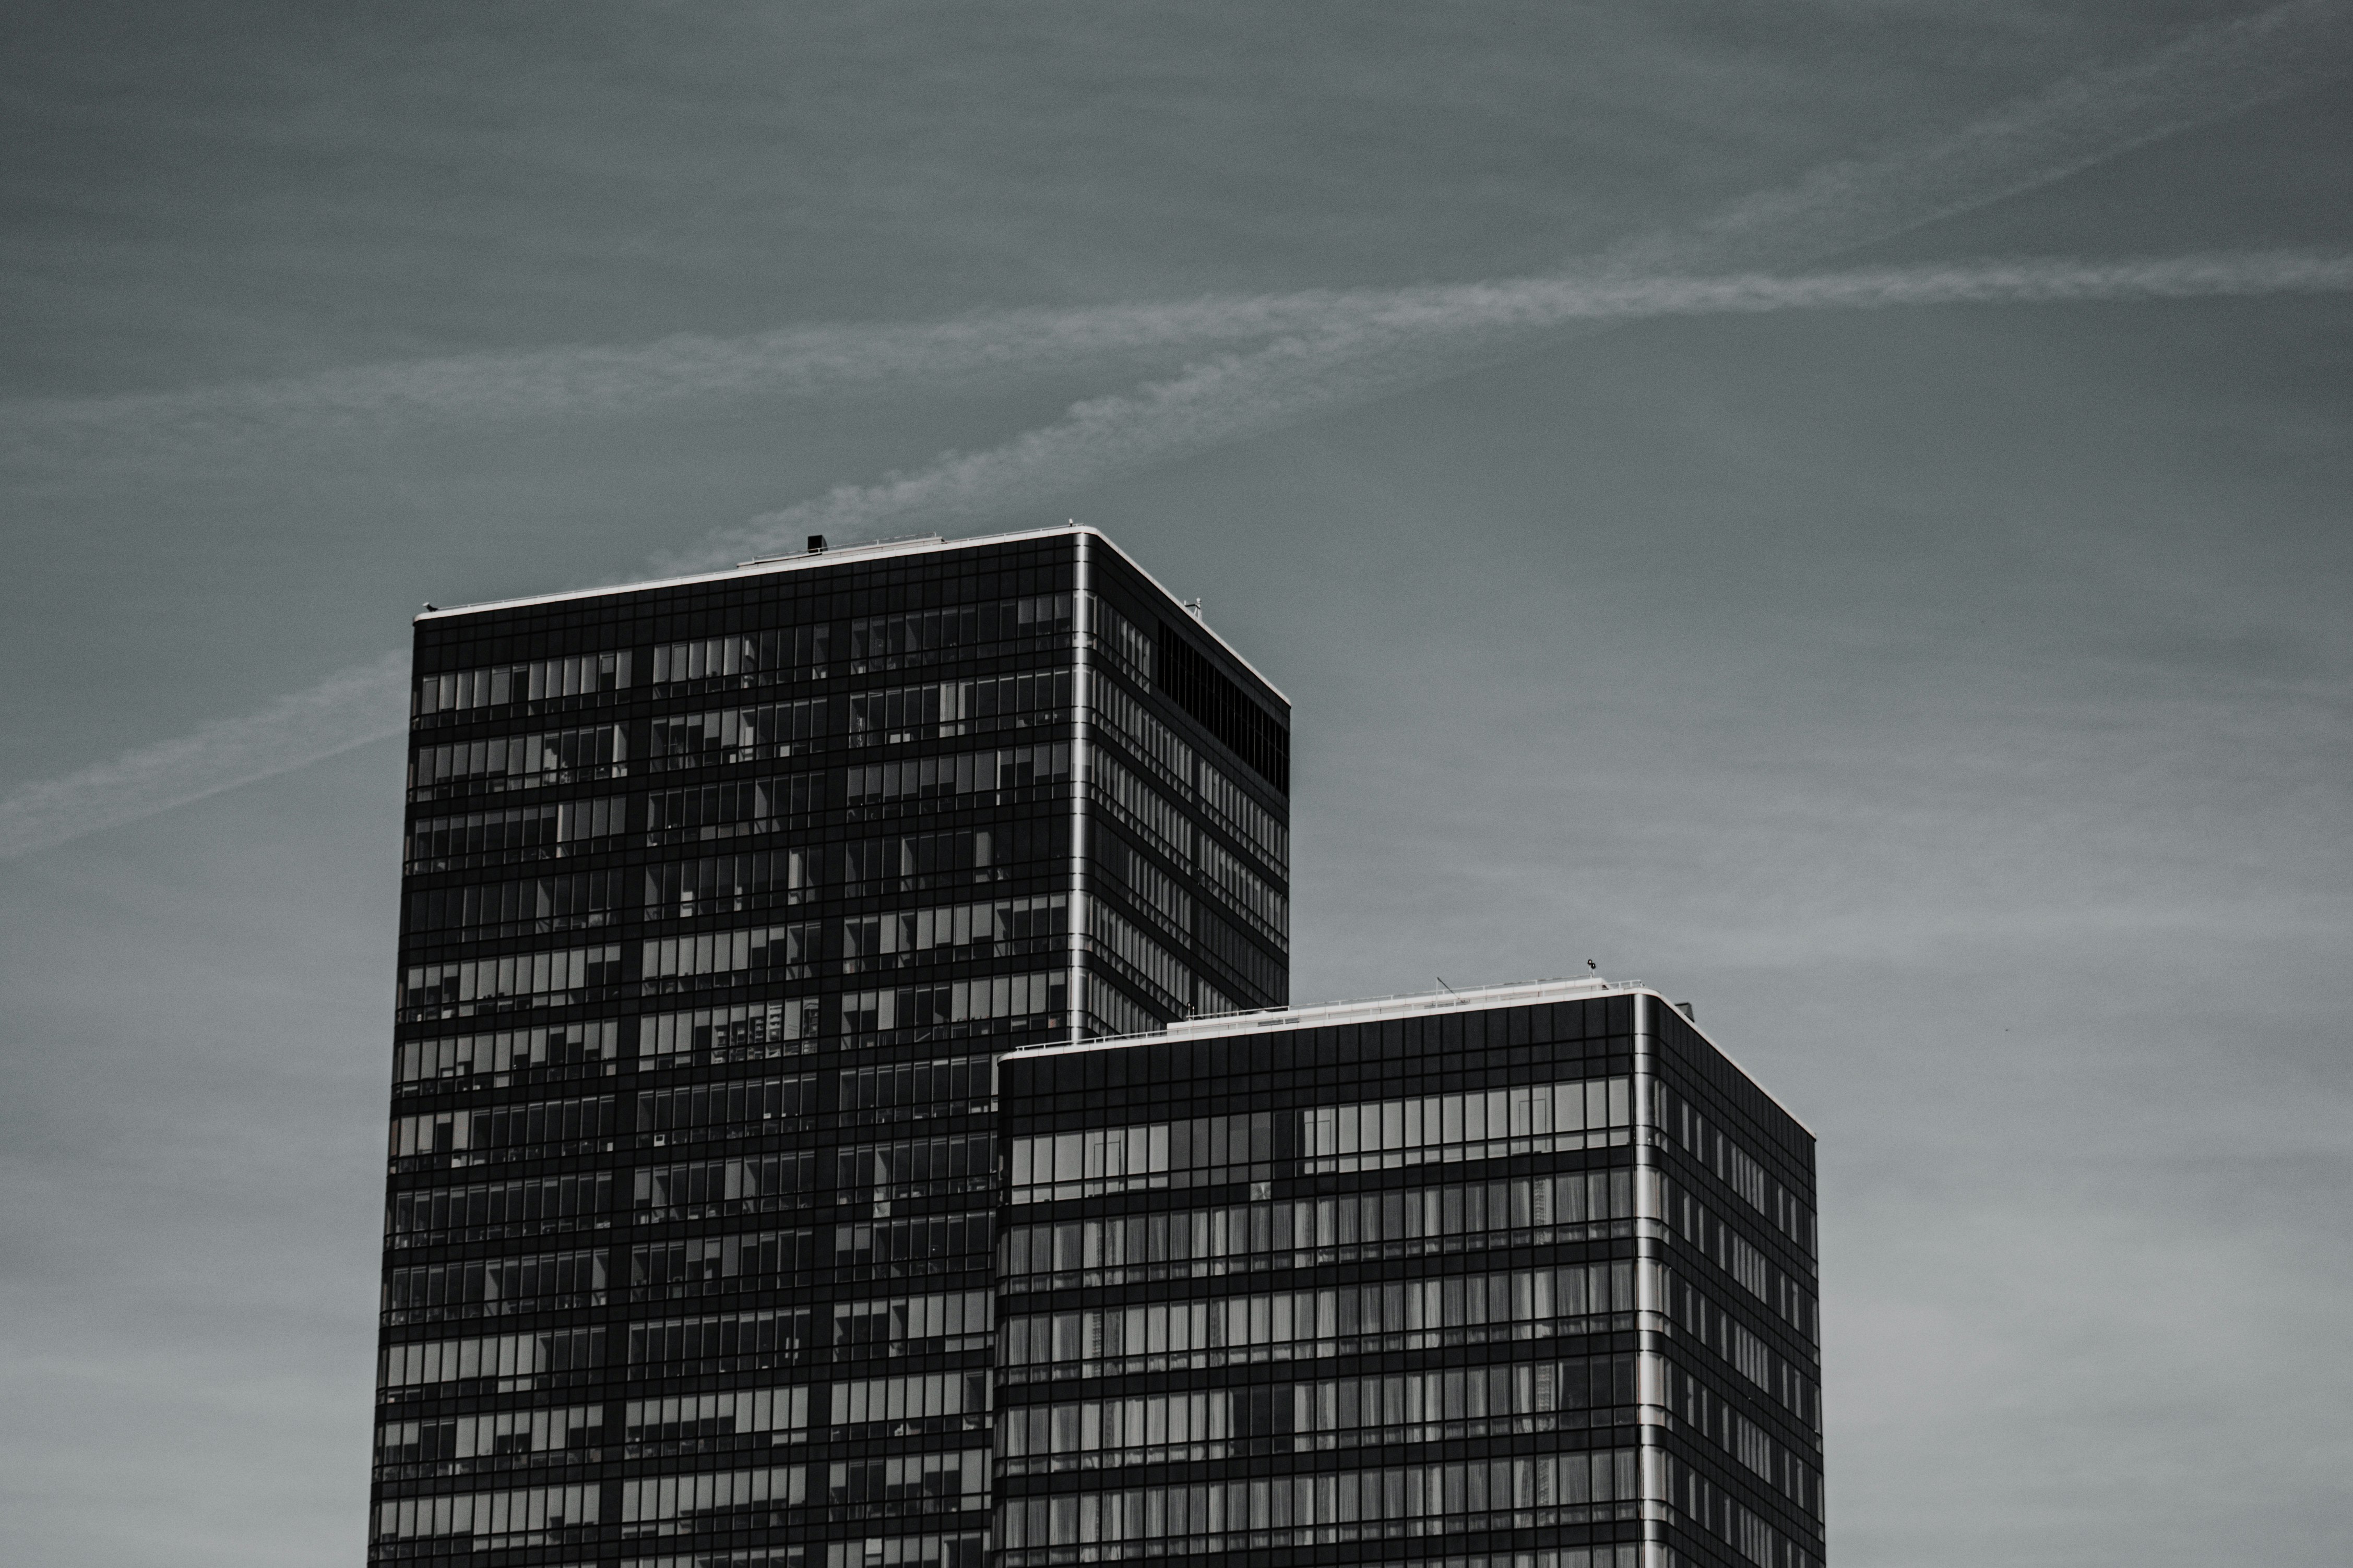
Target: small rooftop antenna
pixel 1445 987
pixel 1590 965
pixel 1193 608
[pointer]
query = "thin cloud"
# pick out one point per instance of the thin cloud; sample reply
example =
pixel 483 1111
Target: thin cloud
pixel 1371 345
pixel 593 381
pixel 1210 403
pixel 348 709
pixel 1356 358
pixel 2209 72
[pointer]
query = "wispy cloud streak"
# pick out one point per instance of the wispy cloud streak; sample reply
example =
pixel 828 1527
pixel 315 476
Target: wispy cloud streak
pixel 348 709
pixel 614 379
pixel 2209 72
pixel 1224 400
pixel 1355 357
pixel 1338 350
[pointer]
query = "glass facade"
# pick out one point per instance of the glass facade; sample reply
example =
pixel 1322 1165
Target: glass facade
pixel 722 900
pixel 1520 1279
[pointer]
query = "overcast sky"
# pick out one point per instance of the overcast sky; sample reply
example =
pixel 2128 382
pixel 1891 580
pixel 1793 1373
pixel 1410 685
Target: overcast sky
pixel 1952 700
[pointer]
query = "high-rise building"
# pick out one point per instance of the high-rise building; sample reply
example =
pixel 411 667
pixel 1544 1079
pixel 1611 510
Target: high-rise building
pixel 722 896
pixel 1514 1278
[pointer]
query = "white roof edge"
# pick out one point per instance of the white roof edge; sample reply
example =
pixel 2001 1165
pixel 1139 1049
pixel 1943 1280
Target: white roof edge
pixel 880 550
pixel 1377 1009
pixel 1137 567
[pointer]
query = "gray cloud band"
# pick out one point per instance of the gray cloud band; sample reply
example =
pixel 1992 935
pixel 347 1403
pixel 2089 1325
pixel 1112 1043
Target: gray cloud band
pixel 1352 359
pixel 1210 403
pixel 2209 72
pixel 1342 349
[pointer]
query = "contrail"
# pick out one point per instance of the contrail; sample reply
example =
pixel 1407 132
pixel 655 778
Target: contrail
pixel 1368 347
pixel 1212 402
pixel 2209 72
pixel 1352 355
pixel 1234 397
pixel 588 380
pixel 348 709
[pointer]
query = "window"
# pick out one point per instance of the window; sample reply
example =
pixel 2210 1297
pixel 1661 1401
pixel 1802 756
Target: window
pixel 730 884
pixel 751 659
pixel 1143 959
pixel 519 981
pixel 958 707
pixel 1321 1415
pixel 1245 891
pixel 731 957
pixel 499 1362
pixel 1369 1136
pixel 485 1210
pixel 1735 1167
pixel 993 928
pixel 1470 1309
pixel 911 1407
pixel 540 680
pixel 926 636
pixel 1247 730
pixel 708 1189
pixel 716 1262
pixel 1111 1013
pixel 1304 1233
pixel 732 1109
pixel 706 1423
pixel 505 1131
pixel 573 902
pixel 747 1032
pixel 935 1244
pixel 881 1552
pixel 969 773
pixel 1688 1219
pixel 1748 1265
pixel 427 1063
pixel 908 1483
pixel 915 1167
pixel 487 1286
pixel 445 1446
pixel 1151 891
pixel 1682 1488
pixel 721 1341
pixel 1137 806
pixel 737 734
pixel 917 1089
pixel 727 810
pixel 1129 648
pixel 518 762
pixel 522 832
pixel 1269 977
pixel 915 1325
pixel 964 1006
pixel 1302 1509
pixel 1153 742
pixel 538 1515
pixel 1257 827
pixel 724 1499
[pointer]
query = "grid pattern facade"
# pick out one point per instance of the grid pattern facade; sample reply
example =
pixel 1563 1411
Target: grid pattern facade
pixel 1521 1286
pixel 722 900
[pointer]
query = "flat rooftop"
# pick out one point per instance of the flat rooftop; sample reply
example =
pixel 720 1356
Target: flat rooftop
pixel 850 555
pixel 1412 1005
pixel 1368 1010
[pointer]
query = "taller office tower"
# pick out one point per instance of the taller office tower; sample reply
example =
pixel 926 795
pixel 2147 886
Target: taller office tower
pixel 722 896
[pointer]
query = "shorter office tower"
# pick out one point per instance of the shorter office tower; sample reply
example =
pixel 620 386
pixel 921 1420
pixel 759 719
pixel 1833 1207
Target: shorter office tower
pixel 1513 1279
